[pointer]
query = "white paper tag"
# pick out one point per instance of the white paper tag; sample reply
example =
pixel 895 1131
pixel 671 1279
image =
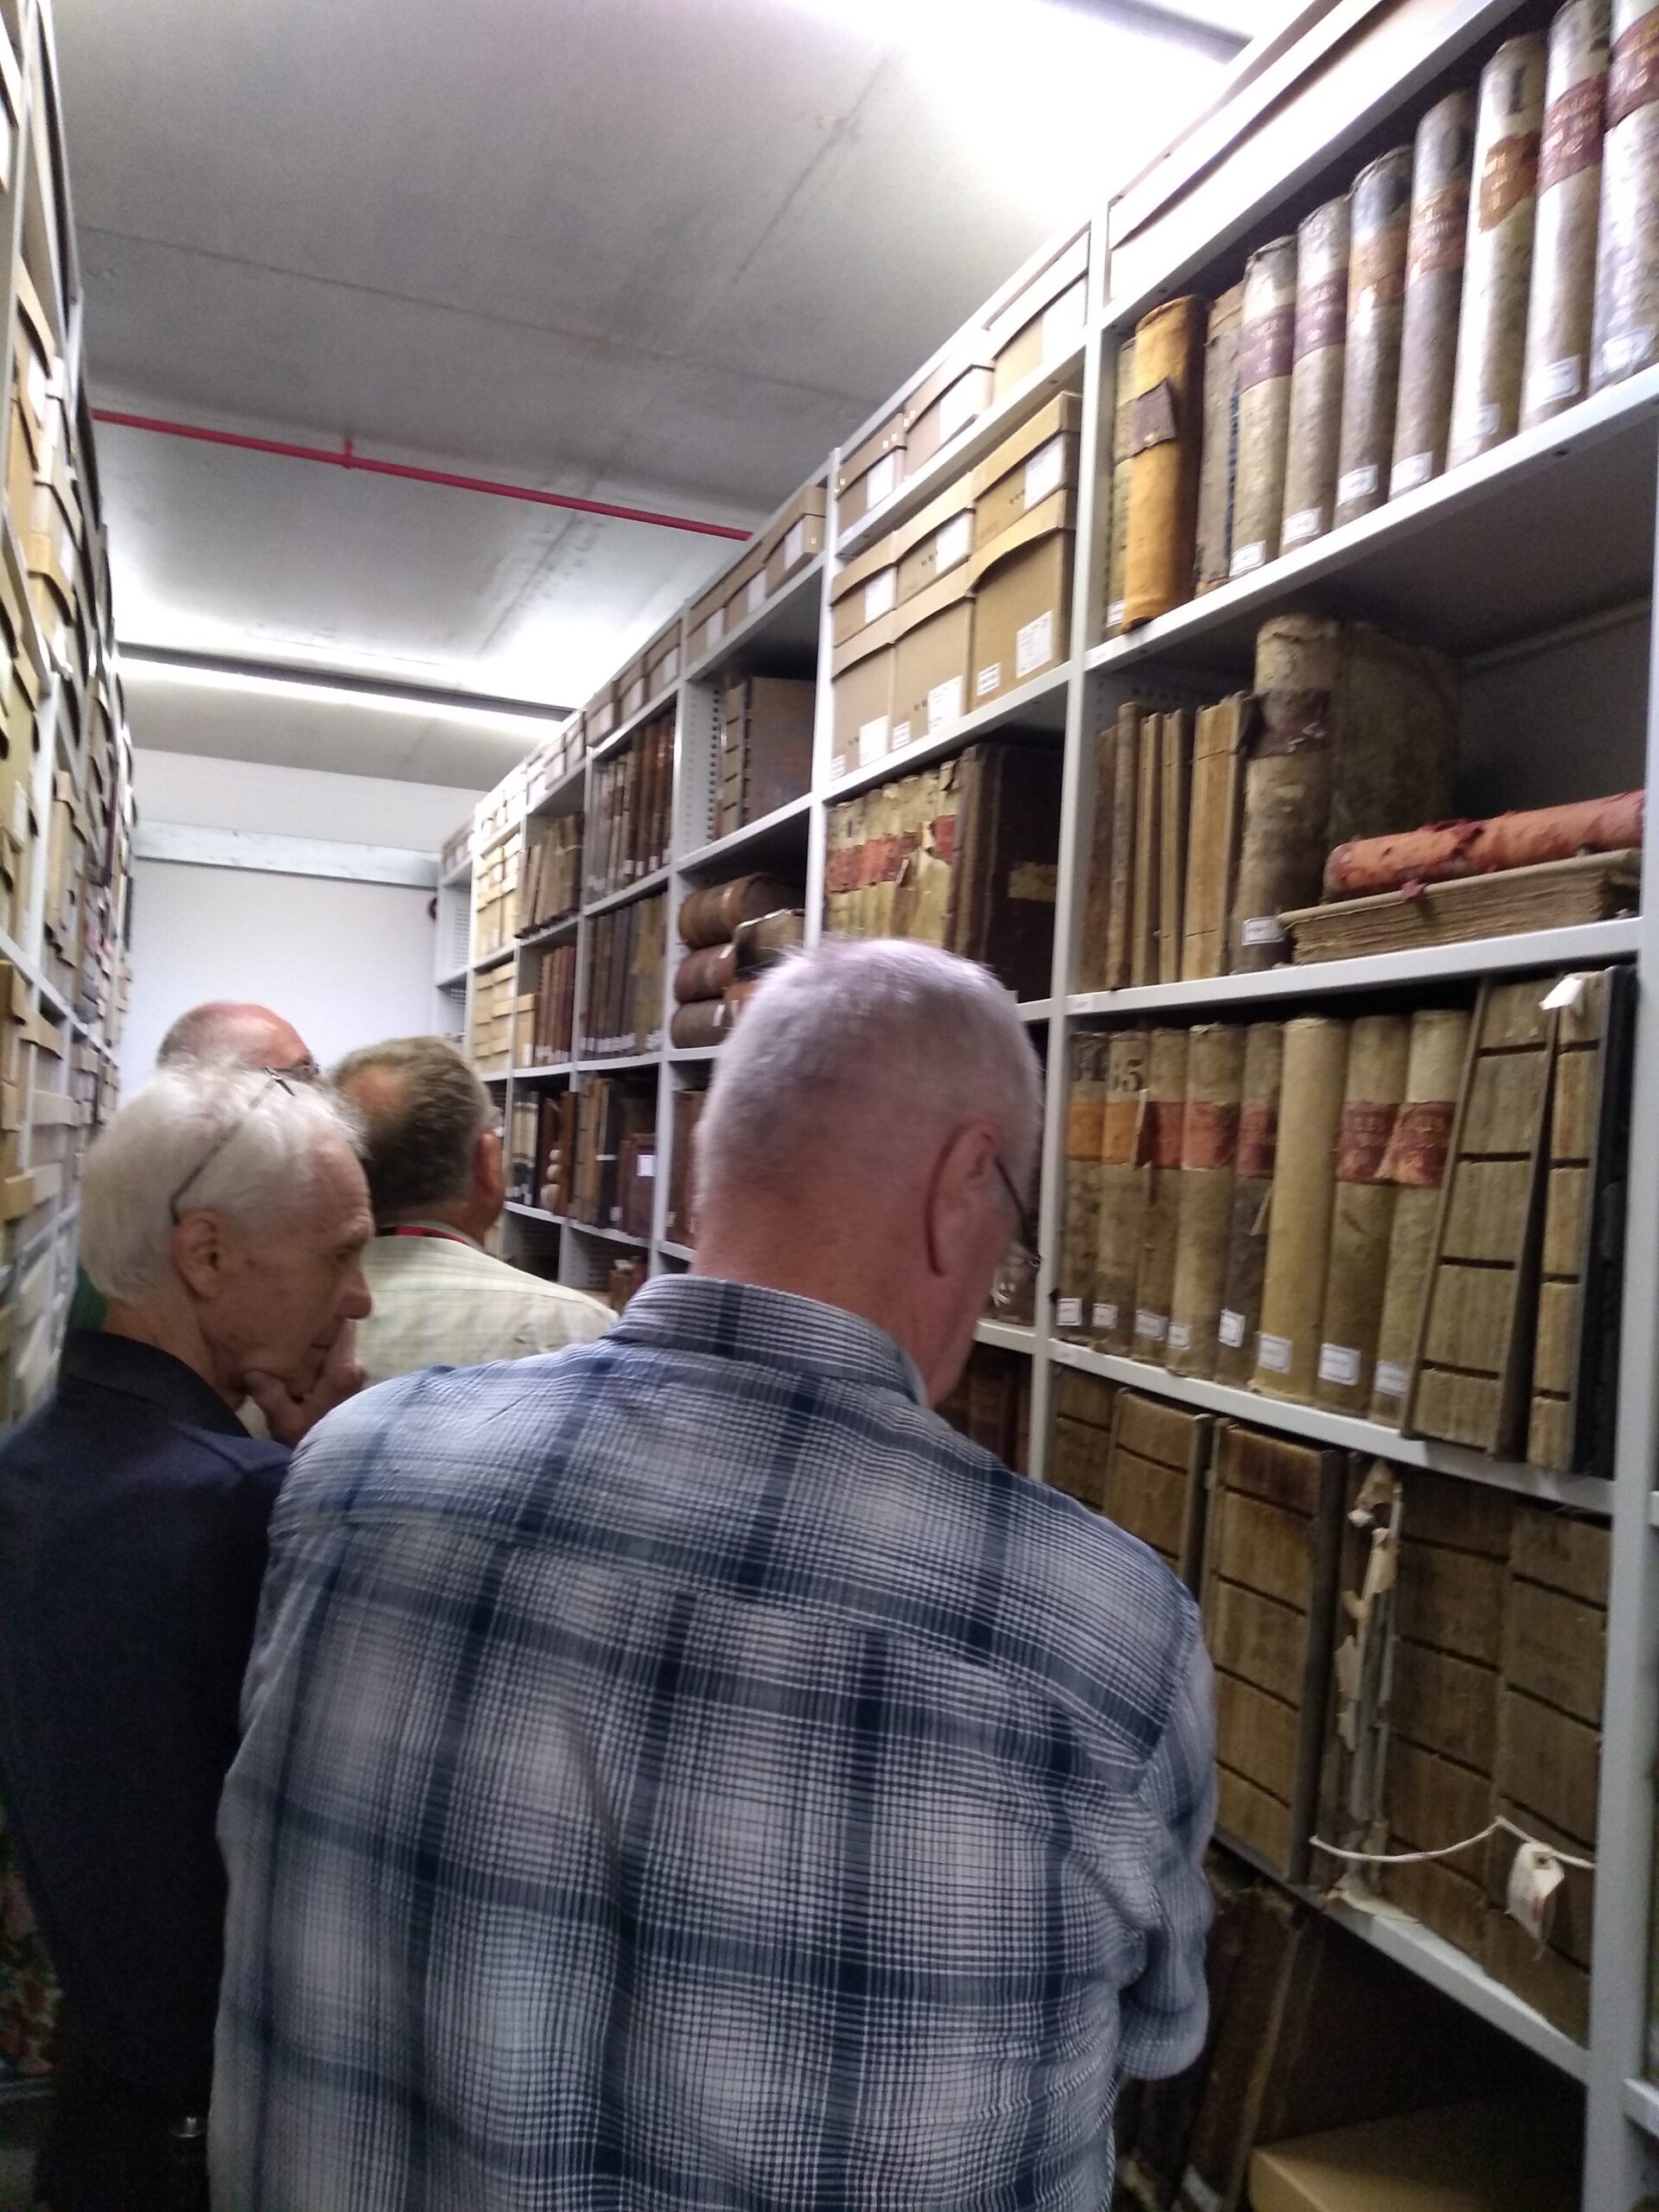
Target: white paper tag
pixel 900 737
pixel 1229 1329
pixel 755 598
pixel 1564 995
pixel 944 704
pixel 1198 2193
pixel 1535 1877
pixel 953 544
pixel 795 542
pixel 1261 929
pixel 989 679
pixel 1406 475
pixel 1116 611
pixel 881 480
pixel 1154 1326
pixel 1104 1318
pixel 1068 1313
pixel 1044 472
pixel 1033 646
pixel 1390 1379
pixel 1181 1335
pixel 957 407
pixel 645 1166
pixel 1340 1363
pixel 1061 322
pixel 1557 380
pixel 1273 1353
pixel 1247 558
pixel 1305 523
pixel 873 739
pixel 1484 421
pixel 713 629
pixel 1358 484
pixel 38 385
pixel 880 594
pixel 1620 355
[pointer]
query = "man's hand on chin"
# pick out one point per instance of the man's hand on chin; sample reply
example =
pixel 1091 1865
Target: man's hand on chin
pixel 292 1409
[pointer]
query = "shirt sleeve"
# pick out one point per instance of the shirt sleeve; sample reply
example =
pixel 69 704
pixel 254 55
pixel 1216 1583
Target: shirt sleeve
pixel 1166 2011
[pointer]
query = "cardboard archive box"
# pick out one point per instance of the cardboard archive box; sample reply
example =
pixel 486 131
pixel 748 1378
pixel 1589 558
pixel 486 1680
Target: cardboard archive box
pixel 599 715
pixel 863 631
pixel 933 630
pixel 1025 521
pixel 943 405
pixel 662 659
pixel 796 538
pixel 745 586
pixel 871 472
pixel 1043 319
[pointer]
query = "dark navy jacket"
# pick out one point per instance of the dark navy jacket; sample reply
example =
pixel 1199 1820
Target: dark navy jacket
pixel 133 1513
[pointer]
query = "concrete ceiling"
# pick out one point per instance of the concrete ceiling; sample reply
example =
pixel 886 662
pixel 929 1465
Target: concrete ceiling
pixel 663 252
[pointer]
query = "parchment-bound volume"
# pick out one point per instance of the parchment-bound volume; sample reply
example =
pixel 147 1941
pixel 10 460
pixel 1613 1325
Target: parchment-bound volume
pixel 1627 243
pixel 1248 1214
pixel 1097 894
pixel 1215 1077
pixel 1299 1222
pixel 1414 1163
pixel 1145 896
pixel 1316 375
pixel 1118 571
pixel 1212 845
pixel 1497 256
pixel 1569 203
pixel 1175 751
pixel 1123 1173
pixel 1428 324
pixel 1165 447
pixel 1161 1144
pixel 1380 214
pixel 1218 468
pixel 1085 1107
pixel 1266 344
pixel 1126 791
pixel 1363 1213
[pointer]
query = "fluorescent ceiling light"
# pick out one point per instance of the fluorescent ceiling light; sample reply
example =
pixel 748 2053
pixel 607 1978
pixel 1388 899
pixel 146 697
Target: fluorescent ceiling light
pixel 138 664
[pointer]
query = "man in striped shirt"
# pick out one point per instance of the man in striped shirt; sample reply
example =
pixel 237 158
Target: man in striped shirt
pixel 685 1773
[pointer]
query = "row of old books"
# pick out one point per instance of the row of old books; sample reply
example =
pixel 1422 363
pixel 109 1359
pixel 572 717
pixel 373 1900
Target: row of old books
pixel 732 932
pixel 963 854
pixel 551 884
pixel 553 1007
pixel 991 1404
pixel 612 1153
pixel 763 749
pixel 1402 1659
pixel 688 1107
pixel 630 797
pixel 1474 283
pixel 1408 1217
pixel 622 1004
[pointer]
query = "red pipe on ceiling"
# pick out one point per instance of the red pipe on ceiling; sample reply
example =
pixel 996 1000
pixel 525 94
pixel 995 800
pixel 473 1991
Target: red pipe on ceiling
pixel 345 458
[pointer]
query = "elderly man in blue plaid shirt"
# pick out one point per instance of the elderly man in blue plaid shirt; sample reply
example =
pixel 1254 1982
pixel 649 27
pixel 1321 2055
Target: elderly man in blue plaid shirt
pixel 682 1772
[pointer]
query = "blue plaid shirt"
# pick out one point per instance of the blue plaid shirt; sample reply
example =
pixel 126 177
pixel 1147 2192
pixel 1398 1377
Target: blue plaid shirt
pixel 682 1772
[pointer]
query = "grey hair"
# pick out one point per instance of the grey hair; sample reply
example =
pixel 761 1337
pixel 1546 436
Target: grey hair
pixel 866 1045
pixel 247 1144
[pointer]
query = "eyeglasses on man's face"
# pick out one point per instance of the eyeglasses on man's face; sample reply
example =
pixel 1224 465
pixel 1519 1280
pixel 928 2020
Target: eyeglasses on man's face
pixel 286 1079
pixel 1022 1261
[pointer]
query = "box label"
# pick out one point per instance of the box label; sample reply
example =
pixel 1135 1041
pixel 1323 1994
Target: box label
pixel 1340 1363
pixel 795 542
pixel 958 408
pixel 900 737
pixel 1116 610
pixel 944 703
pixel 1033 646
pixel 1044 472
pixel 953 544
pixel 989 679
pixel 645 1166
pixel 1068 1313
pixel 879 595
pixel 881 481
pixel 872 739
pixel 1274 1353
pixel 715 628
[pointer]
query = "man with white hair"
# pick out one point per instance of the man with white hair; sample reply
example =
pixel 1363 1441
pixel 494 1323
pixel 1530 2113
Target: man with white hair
pixel 224 1215
pixel 684 1772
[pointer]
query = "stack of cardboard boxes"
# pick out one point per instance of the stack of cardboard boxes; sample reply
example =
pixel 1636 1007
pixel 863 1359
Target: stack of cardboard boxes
pixel 493 1013
pixel 495 895
pixel 767 564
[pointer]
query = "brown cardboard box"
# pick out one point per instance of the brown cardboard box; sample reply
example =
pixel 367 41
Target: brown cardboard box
pixel 864 590
pixel 1032 464
pixel 630 688
pixel 941 407
pixel 663 659
pixel 745 586
pixel 1043 319
pixel 705 625
pixel 937 540
pixel 861 688
pixel 932 657
pixel 871 473
pixel 795 537
pixel 599 715
pixel 1500 2156
pixel 1022 612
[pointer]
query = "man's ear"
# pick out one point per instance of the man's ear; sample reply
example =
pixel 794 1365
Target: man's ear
pixel 958 1194
pixel 489 1167
pixel 197 1249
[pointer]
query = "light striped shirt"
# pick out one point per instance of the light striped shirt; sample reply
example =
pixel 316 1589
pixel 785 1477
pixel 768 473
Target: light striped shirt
pixel 441 1300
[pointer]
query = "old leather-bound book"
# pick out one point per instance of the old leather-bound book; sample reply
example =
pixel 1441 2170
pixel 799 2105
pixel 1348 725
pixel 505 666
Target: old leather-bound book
pixel 1145 900
pixel 1218 463
pixel 1090 969
pixel 1376 283
pixel 1626 319
pixel 1316 374
pixel 710 916
pixel 1155 1484
pixel 1175 756
pixel 1215 1078
pixel 1165 442
pixel 1497 255
pixel 1003 879
pixel 1364 1215
pixel 1299 1222
pixel 1250 1207
pixel 1117 566
pixel 1212 846
pixel 1133 730
pixel 705 974
pixel 1562 301
pixel 1085 1105
pixel 1414 1165
pixel 1161 1144
pixel 1123 1175
pixel 1266 339
pixel 1435 241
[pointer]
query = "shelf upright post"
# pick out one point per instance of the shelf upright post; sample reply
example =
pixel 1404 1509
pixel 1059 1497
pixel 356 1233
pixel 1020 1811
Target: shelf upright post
pixel 823 712
pixel 694 769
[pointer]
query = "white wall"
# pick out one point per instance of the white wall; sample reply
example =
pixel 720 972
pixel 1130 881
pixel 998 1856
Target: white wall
pixel 345 963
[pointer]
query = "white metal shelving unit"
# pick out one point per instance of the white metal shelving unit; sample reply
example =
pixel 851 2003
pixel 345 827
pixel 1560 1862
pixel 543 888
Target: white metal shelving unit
pixel 1542 550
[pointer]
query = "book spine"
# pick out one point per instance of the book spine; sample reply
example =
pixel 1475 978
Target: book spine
pixel 1097 897
pixel 1563 301
pixel 1161 1144
pixel 1117 564
pixel 1363 1213
pixel 1285 836
pixel 1148 851
pixel 1299 1222
pixel 1215 1078
pixel 1415 1163
pixel 1435 241
pixel 1212 848
pixel 1319 351
pixel 1497 253
pixel 1126 786
pixel 1085 1108
pixel 1376 283
pixel 1175 751
pixel 1165 439
pixel 1218 465
pixel 1266 339
pixel 1122 1189
pixel 1254 1161
pixel 1626 319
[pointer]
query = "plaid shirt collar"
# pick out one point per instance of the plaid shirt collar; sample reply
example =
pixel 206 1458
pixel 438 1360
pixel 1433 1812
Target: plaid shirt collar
pixel 772 1328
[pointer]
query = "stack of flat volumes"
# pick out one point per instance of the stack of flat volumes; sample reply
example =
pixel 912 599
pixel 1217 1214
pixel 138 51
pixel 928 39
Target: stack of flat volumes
pixel 622 1005
pixel 551 888
pixel 629 801
pixel 1472 283
pixel 732 932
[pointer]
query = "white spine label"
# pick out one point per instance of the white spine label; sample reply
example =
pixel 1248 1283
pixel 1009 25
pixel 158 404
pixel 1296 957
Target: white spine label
pixel 1340 1363
pixel 1273 1353
pixel 1358 484
pixel 1620 355
pixel 1416 469
pixel 1033 646
pixel 900 737
pixel 1262 929
pixel 1154 1326
pixel 1068 1313
pixel 1229 1329
pixel 1557 380
pixel 1181 1335
pixel 1390 1379
pixel 1247 558
pixel 795 544
pixel 1305 523
pixel 1115 614
pixel 944 703
pixel 1105 1316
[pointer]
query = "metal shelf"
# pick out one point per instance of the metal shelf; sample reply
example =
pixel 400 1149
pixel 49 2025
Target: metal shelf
pixel 553 800
pixel 691 1056
pixel 549 933
pixel 640 889
pixel 455 980
pixel 549 1071
pixel 616 1063
pixel 1587 1493
pixel 608 1236
pixel 785 628
pixel 1585 945
pixel 784 829
pixel 1039 705
pixel 675 1251
pixel 1006 1336
pixel 526 1212
pixel 496 959
pixel 1036 1010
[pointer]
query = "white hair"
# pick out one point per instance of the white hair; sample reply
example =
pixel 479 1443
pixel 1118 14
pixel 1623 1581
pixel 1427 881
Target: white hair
pixel 871 1047
pixel 236 1139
